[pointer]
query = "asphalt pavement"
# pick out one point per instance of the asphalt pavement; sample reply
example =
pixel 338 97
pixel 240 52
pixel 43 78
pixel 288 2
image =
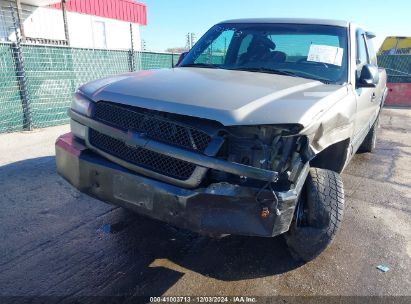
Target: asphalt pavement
pixel 55 240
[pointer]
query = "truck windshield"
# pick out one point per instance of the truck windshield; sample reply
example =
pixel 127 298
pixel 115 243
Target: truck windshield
pixel 316 52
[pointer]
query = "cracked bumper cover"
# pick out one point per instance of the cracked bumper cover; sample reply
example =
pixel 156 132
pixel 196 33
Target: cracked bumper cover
pixel 220 208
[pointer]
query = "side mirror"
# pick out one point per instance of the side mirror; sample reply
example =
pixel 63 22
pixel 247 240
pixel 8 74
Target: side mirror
pixel 182 55
pixel 369 77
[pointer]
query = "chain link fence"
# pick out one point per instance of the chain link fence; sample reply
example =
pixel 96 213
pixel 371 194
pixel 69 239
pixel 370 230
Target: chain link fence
pixel 51 76
pixel 11 117
pixel 398 67
pixel 37 81
pixel 151 60
pixel 395 56
pixel 54 73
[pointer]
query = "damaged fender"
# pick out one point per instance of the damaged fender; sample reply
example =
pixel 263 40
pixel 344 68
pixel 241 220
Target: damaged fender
pixel 331 125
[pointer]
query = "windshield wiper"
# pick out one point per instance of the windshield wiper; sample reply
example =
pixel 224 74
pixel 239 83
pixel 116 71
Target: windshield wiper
pixel 200 65
pixel 266 70
pixel 304 75
pixel 251 69
pixel 324 81
pixel 282 72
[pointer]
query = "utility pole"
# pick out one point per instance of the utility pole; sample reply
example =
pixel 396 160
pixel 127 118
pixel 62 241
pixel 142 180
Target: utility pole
pixel 20 21
pixel 190 40
pixel 131 52
pixel 21 73
pixel 66 31
pixel 143 45
pixel 193 39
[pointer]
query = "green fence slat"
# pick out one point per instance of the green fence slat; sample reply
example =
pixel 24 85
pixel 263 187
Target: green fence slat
pixel 54 73
pixel 11 116
pixel 149 61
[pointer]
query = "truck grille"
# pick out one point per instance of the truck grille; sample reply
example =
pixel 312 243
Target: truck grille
pixel 141 157
pixel 152 125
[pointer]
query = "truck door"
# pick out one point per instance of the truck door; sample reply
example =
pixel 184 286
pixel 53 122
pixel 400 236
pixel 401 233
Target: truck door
pixel 377 97
pixel 365 96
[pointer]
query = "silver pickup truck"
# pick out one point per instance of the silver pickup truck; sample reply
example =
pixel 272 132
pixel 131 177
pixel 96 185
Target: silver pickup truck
pixel 247 135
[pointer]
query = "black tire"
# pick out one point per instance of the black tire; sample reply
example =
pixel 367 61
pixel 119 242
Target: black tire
pixel 370 141
pixel 318 215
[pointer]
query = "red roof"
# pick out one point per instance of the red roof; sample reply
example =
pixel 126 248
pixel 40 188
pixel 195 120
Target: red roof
pixel 125 10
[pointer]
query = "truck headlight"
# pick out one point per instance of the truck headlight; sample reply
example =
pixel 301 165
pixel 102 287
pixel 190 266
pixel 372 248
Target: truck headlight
pixel 267 147
pixel 81 104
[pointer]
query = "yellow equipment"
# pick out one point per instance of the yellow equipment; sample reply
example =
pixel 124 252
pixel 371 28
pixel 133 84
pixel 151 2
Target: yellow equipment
pixel 396 46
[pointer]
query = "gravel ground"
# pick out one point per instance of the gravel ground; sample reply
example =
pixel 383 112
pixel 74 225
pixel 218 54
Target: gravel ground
pixel 51 243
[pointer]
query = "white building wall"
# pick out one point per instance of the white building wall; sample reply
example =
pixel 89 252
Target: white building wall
pixel 84 30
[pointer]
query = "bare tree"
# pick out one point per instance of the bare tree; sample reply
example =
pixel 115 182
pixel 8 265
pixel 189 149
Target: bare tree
pixel 177 50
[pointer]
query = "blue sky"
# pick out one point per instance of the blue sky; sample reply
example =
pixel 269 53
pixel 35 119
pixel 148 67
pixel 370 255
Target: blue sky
pixel 169 21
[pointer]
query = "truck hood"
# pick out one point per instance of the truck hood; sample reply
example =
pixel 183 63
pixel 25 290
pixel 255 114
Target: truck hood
pixel 227 96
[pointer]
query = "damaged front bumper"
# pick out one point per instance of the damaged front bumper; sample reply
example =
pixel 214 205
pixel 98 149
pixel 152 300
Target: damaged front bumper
pixel 217 209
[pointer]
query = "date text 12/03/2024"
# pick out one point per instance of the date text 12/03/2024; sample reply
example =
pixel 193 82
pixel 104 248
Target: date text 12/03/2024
pixel 203 299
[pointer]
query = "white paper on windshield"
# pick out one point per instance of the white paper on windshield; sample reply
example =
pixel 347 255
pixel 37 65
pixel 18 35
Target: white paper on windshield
pixel 325 54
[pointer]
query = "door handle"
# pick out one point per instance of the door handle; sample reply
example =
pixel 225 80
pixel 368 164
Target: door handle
pixel 373 96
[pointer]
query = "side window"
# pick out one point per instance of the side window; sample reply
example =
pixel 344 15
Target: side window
pixel 216 51
pixel 371 51
pixel 362 55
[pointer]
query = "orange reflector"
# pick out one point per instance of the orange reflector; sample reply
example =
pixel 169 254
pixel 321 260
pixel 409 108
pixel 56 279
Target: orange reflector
pixel 265 212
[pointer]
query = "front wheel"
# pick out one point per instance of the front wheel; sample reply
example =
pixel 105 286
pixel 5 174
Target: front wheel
pixel 318 214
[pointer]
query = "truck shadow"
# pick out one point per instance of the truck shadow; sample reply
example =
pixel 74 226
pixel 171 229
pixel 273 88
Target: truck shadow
pixel 175 252
pixel 59 241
